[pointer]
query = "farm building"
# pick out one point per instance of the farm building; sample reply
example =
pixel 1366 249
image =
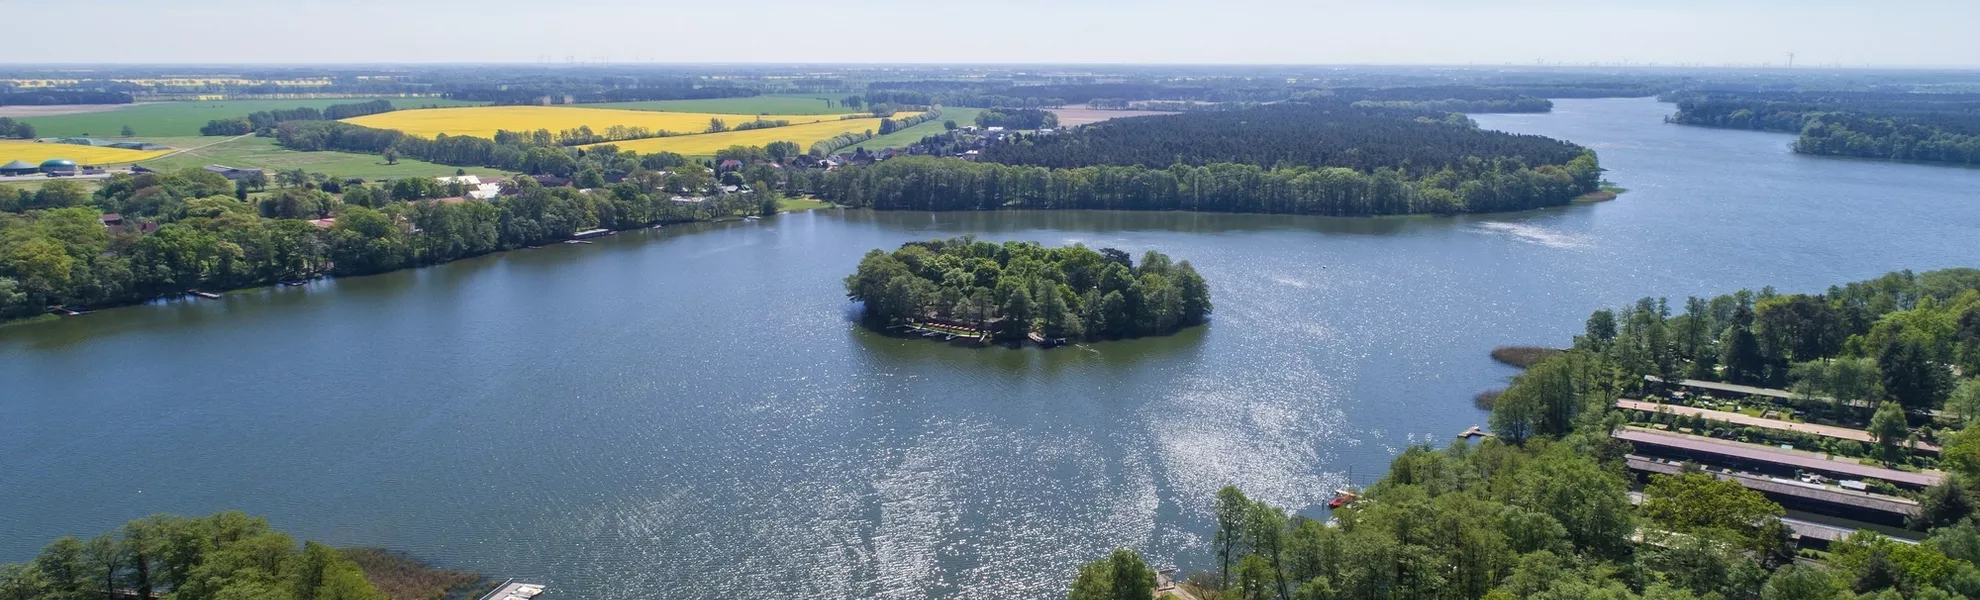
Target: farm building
pixel 59 166
pixel 19 167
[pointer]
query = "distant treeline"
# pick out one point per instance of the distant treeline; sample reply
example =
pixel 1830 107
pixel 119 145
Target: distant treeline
pixel 10 128
pixel 268 119
pixel 638 94
pixel 989 94
pixel 1455 98
pixel 40 98
pixel 1884 125
pixel 1017 118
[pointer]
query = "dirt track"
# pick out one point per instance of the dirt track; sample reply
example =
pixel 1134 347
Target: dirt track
pixel 1081 115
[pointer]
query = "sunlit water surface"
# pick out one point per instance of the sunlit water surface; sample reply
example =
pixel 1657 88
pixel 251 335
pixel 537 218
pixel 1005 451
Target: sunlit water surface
pixel 690 413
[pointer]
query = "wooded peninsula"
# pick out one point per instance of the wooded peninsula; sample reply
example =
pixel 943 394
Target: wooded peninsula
pixel 1319 157
pixel 1012 290
pixel 1894 125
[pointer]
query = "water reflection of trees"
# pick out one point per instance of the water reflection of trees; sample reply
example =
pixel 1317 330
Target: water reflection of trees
pixel 885 353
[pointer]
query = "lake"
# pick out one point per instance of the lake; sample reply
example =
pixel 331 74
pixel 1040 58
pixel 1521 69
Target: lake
pixel 692 412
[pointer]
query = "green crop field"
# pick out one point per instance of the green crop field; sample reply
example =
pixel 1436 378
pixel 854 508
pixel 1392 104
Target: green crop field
pixel 185 118
pixel 795 104
pixel 263 153
pixel 901 139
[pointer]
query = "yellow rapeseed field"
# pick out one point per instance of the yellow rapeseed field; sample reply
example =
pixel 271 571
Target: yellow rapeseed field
pixel 35 152
pixel 706 144
pixel 483 121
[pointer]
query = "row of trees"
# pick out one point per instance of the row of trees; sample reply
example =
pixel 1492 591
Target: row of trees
pixel 932 183
pixel 268 119
pixel 1017 118
pixel 225 556
pixel 53 97
pixel 205 238
pixel 10 128
pixel 1015 288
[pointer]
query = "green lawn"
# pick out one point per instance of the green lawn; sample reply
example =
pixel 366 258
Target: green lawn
pixel 795 104
pixel 263 153
pixel 185 118
pixel 904 137
pixel 801 204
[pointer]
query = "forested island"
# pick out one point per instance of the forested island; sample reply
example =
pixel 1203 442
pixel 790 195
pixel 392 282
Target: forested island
pixel 1543 511
pixel 1928 127
pixel 1013 290
pixel 1300 158
pixel 226 556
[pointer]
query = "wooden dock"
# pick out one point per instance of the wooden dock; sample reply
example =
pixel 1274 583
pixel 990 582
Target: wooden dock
pixel 514 590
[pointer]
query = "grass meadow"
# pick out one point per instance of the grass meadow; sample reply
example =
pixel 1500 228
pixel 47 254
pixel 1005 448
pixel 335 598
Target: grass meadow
pixel 264 153
pixel 906 137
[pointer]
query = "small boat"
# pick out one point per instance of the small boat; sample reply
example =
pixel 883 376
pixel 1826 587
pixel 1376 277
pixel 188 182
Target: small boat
pixel 206 295
pixel 1343 498
pixel 657 226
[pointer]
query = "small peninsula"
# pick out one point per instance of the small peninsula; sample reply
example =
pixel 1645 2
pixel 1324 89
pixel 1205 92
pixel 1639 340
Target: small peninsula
pixel 1010 292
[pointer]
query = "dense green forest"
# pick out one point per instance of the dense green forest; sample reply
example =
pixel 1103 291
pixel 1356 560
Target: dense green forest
pixel 1931 127
pixel 227 556
pixel 1305 159
pixel 1294 134
pixel 57 252
pixel 1542 511
pixel 1016 288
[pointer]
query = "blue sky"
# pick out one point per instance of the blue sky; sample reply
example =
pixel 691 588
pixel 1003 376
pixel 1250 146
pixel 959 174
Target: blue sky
pixel 1668 32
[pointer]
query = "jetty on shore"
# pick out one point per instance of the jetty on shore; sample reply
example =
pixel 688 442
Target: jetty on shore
pixel 514 590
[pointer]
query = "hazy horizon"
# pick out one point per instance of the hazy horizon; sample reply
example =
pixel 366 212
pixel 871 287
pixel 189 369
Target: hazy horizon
pixel 1681 33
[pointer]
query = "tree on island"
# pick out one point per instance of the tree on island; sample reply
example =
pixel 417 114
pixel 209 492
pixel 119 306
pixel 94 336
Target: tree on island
pixel 1014 289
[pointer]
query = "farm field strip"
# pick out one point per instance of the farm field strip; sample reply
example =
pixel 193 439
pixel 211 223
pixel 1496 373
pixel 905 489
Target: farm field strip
pixel 184 118
pixel 907 137
pixel 35 152
pixel 485 121
pixel 706 144
pixel 754 105
pixel 265 153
